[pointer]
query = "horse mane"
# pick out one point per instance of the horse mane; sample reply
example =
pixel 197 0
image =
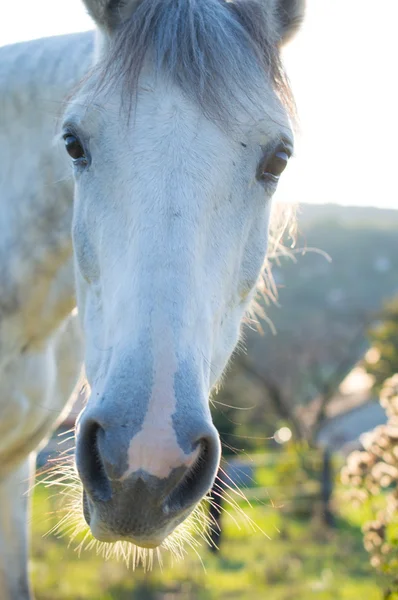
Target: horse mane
pixel 214 50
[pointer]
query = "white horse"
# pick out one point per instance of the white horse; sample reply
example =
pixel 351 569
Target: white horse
pixel 176 123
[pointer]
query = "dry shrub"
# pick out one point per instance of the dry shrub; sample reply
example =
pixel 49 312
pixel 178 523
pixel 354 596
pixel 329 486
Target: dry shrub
pixel 372 475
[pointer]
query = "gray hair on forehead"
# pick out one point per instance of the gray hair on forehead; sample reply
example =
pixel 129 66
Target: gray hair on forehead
pixel 214 50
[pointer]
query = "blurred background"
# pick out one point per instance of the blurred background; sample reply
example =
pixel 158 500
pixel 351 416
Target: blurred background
pixel 298 405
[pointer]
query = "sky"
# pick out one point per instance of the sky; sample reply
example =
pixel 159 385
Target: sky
pixel 342 67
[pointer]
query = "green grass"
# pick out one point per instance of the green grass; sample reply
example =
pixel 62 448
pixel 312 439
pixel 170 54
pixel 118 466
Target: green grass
pixel 300 562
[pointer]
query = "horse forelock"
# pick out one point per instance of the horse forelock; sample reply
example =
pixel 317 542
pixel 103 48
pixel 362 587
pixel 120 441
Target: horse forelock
pixel 215 51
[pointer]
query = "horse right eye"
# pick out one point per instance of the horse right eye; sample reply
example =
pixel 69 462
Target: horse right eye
pixel 272 167
pixel 74 148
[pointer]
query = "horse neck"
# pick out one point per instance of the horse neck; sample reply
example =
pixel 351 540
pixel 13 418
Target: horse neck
pixel 36 273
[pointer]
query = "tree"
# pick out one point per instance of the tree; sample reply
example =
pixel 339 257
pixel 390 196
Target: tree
pixel 290 379
pixel 383 338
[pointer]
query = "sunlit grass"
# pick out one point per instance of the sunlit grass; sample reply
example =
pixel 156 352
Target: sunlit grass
pixel 300 561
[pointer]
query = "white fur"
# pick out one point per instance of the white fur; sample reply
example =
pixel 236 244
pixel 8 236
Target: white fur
pixel 157 431
pixel 170 234
pixel 40 344
pixel 186 189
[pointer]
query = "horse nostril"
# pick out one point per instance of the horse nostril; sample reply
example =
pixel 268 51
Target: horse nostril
pixel 89 462
pixel 197 481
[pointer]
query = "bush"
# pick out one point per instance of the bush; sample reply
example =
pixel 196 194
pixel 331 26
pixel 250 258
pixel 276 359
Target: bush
pixel 373 475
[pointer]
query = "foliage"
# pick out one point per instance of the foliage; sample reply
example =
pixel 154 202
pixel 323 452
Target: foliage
pixel 237 412
pixel 296 479
pixel 384 340
pixel 374 475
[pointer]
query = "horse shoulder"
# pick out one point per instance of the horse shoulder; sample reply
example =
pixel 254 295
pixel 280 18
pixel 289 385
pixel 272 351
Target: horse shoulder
pixel 35 189
pixel 36 386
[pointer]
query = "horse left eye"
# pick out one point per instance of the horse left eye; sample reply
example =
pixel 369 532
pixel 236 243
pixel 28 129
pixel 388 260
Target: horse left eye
pixel 74 147
pixel 274 166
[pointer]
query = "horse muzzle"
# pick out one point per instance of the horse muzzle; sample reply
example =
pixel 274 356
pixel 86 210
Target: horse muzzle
pixel 144 497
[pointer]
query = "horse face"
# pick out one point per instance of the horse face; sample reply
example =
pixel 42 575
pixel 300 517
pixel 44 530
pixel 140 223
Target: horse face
pixel 170 234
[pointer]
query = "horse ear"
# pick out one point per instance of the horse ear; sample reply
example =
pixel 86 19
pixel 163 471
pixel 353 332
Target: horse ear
pixel 108 14
pixel 289 16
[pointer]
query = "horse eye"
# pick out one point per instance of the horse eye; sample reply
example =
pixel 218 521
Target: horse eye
pixel 74 147
pixel 273 167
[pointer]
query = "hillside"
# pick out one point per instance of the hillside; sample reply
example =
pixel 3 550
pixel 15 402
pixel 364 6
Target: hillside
pixel 353 216
pixel 362 244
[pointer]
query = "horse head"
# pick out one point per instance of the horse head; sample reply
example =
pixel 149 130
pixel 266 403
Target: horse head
pixel 177 137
